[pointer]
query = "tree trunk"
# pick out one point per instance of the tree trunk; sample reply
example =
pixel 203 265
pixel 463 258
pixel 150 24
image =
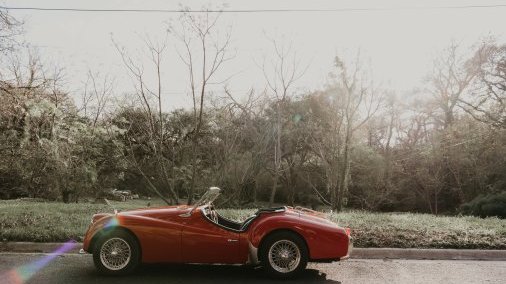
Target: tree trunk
pixel 192 182
pixel 255 192
pixel 333 197
pixel 66 196
pixel 277 155
pixel 345 171
pixel 274 188
pixel 331 185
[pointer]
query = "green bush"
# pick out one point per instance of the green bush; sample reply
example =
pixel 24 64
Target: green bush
pixel 486 206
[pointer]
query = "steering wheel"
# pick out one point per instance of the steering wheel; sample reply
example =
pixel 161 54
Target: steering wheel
pixel 213 215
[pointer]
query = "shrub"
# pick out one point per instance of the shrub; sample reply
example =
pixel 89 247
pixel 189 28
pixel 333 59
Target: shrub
pixel 486 206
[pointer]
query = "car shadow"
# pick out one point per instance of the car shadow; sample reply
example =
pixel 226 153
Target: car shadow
pixel 203 274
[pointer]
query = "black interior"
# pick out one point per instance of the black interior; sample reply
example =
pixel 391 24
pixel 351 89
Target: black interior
pixel 272 209
pixel 236 226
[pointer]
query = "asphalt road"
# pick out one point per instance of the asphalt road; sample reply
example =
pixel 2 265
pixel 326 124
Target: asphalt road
pixel 19 268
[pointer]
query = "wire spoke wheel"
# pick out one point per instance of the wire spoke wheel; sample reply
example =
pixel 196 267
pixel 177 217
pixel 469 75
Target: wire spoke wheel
pixel 284 256
pixel 115 254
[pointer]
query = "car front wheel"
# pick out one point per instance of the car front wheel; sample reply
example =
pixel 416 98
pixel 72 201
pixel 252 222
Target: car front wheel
pixel 284 254
pixel 116 253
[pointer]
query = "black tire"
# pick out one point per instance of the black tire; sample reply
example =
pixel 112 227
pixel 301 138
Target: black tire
pixel 283 238
pixel 120 237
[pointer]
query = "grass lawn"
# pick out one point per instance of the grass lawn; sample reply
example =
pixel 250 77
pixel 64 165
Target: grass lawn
pixel 27 220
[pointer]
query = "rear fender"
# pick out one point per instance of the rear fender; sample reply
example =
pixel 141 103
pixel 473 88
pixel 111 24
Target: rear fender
pixel 323 240
pixel 270 224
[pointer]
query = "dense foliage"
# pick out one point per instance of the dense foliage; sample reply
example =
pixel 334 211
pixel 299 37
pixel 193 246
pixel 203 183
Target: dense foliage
pixel 487 205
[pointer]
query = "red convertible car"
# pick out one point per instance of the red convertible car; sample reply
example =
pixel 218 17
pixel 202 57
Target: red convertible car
pixel 282 240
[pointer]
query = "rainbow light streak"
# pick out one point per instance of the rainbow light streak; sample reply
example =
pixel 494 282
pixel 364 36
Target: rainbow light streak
pixel 113 222
pixel 23 273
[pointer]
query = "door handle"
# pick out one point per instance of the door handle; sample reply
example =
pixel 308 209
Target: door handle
pixel 232 240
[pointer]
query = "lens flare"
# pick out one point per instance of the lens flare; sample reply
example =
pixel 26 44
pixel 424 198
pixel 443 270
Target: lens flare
pixel 296 118
pixel 113 222
pixel 23 273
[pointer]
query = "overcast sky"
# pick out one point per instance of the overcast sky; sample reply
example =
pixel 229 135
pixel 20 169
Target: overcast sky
pixel 399 43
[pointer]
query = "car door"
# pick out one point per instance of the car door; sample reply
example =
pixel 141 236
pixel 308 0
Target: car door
pixel 206 242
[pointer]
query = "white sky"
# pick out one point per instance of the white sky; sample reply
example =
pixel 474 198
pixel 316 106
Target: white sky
pixel 399 43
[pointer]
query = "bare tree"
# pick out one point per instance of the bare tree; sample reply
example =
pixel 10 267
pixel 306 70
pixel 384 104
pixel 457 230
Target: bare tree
pixel 450 82
pixel 204 51
pixel 382 133
pixel 487 101
pixel 98 92
pixel 151 99
pixel 243 144
pixel 10 28
pixel 349 105
pixel 418 156
pixel 280 73
pixel 451 77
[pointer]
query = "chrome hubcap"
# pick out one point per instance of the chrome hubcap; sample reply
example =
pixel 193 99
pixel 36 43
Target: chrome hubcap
pixel 115 254
pixel 284 256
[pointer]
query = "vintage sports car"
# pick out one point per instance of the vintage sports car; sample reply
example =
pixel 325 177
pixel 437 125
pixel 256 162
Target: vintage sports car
pixel 282 240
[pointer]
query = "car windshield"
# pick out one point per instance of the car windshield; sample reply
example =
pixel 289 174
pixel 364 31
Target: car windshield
pixel 211 194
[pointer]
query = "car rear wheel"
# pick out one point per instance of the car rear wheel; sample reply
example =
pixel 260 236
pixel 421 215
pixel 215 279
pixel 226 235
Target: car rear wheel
pixel 284 254
pixel 116 253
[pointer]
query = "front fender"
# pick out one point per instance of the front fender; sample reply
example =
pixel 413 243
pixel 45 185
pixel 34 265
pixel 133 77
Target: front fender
pixel 98 223
pixel 160 240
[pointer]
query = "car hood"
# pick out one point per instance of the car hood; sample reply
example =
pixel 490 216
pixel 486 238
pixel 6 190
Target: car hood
pixel 164 211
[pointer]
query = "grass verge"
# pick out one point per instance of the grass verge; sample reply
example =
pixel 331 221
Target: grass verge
pixel 26 220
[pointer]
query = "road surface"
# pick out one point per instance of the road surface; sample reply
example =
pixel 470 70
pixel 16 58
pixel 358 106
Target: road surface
pixel 73 268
